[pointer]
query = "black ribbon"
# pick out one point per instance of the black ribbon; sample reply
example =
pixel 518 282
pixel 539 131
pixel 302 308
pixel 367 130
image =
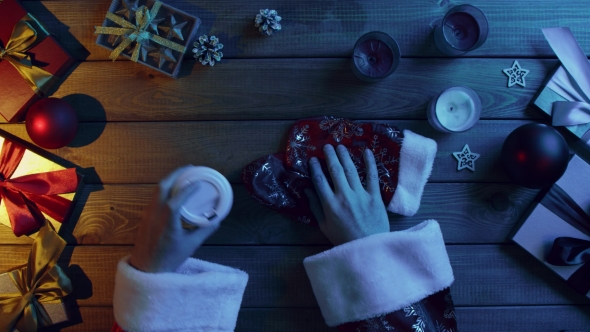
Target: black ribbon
pixel 568 251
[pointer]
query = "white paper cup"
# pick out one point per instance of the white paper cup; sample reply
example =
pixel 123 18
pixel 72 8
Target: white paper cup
pixel 211 201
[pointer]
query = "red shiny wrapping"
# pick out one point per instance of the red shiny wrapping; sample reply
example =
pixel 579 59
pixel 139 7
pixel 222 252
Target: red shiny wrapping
pixel 435 312
pixel 15 92
pixel 279 180
pixel 28 196
pixel 116 328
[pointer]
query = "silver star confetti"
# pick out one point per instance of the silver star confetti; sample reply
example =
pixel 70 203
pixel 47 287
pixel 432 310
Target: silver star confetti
pixel 466 158
pixel 162 55
pixel 516 74
pixel 174 29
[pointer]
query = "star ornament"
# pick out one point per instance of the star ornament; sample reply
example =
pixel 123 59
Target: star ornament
pixel 466 158
pixel 128 10
pixel 145 49
pixel 154 25
pixel 174 29
pixel 162 55
pixel 516 74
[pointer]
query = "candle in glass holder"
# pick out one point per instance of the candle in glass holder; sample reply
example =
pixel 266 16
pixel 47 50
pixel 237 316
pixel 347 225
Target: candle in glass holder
pixel 454 110
pixel 464 28
pixel 375 56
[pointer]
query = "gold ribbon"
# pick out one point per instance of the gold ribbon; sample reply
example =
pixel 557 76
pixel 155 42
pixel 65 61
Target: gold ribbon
pixel 39 281
pixel 27 33
pixel 136 33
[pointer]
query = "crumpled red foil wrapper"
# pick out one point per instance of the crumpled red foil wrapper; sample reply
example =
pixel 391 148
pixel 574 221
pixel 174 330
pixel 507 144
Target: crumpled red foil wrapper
pixel 279 180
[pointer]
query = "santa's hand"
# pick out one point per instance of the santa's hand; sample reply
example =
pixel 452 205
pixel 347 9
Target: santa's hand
pixel 350 211
pixel 162 244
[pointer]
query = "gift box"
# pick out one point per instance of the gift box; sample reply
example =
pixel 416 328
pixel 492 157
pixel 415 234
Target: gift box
pixel 559 217
pixel 35 189
pixel 565 95
pixel 57 311
pixel 153 33
pixel 31 296
pixel 33 62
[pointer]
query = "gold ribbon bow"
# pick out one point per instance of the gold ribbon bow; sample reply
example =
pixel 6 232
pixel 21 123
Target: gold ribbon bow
pixel 136 33
pixel 27 33
pixel 39 281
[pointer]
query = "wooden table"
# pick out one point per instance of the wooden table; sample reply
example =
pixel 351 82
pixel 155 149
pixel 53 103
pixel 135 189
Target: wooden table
pixel 137 125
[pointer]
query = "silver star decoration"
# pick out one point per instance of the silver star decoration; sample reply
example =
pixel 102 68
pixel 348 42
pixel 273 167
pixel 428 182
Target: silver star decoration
pixel 174 29
pixel 466 158
pixel 128 10
pixel 162 55
pixel 145 49
pixel 154 25
pixel 116 40
pixel 516 74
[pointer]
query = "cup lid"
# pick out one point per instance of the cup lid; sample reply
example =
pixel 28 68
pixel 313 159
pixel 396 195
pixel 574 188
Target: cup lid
pixel 212 199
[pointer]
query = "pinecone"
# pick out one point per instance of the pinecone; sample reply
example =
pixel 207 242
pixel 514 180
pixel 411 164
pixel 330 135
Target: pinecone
pixel 267 21
pixel 207 50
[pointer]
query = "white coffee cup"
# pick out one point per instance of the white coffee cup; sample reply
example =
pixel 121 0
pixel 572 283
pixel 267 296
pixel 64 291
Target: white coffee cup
pixel 211 201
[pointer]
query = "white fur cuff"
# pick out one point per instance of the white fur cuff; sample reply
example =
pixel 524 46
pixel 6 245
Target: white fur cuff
pixel 379 274
pixel 200 296
pixel 416 159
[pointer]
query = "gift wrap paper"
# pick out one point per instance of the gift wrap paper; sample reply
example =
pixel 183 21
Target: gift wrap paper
pixel 541 227
pixel 567 89
pixel 33 163
pixel 15 93
pixel 553 91
pixel 279 180
pixel 56 311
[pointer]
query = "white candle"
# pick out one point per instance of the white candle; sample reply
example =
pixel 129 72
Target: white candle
pixel 455 110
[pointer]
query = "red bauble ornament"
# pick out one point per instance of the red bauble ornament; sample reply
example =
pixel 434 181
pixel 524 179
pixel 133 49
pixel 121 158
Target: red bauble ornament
pixel 52 123
pixel 535 155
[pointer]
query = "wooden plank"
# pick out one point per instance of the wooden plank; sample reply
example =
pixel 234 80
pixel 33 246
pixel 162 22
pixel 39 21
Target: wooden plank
pixel 484 274
pixel 293 89
pixel 146 152
pixel 470 213
pixel 90 319
pixel 330 28
pixel 524 318
pixel 481 319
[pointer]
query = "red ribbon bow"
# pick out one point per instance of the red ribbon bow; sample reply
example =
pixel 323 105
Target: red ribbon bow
pixel 26 197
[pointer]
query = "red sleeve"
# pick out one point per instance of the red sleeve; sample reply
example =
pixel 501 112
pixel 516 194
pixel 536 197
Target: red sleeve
pixel 116 328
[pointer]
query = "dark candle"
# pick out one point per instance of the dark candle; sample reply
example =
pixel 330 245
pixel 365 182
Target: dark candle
pixel 464 28
pixel 375 56
pixel 461 30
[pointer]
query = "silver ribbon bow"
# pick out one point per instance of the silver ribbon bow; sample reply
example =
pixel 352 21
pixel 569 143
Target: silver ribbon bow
pixel 573 82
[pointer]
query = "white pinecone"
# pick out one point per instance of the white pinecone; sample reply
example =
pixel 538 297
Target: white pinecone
pixel 206 50
pixel 267 21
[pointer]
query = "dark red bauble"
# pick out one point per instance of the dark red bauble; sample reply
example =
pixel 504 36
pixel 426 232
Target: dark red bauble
pixel 51 123
pixel 535 155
